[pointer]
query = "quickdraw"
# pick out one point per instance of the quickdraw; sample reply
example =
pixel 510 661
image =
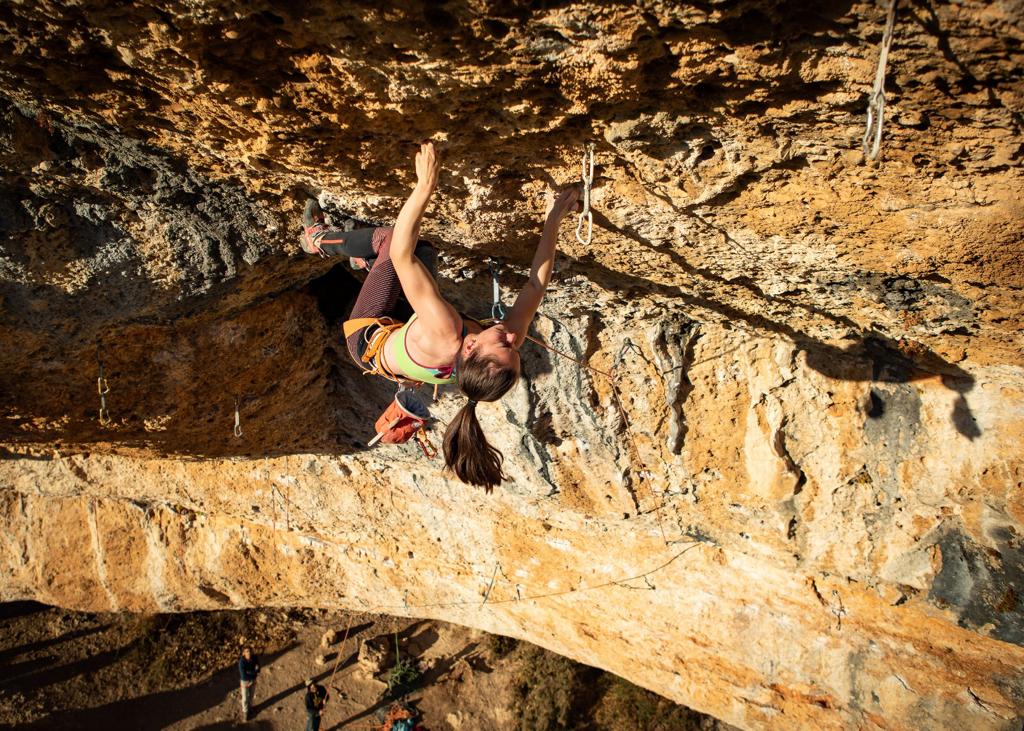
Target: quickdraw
pixel 872 142
pixel 585 214
pixel 237 431
pixel 497 308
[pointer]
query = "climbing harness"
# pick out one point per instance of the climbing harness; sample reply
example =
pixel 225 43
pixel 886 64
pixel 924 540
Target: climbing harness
pixel 406 416
pixel 585 214
pixel 872 142
pixel 497 308
pixel 103 388
pixel 373 356
pixel 238 420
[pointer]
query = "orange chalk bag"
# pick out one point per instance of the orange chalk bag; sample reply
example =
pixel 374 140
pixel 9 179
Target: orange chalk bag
pixel 404 418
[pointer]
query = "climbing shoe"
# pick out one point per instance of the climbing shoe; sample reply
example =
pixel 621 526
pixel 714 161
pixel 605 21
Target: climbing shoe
pixel 313 226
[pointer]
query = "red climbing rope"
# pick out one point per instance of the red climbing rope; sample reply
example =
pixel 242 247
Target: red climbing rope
pixel 341 648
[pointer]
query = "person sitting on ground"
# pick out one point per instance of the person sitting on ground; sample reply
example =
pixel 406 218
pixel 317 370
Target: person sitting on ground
pixel 401 716
pixel 436 345
pixel 316 700
pixel 248 669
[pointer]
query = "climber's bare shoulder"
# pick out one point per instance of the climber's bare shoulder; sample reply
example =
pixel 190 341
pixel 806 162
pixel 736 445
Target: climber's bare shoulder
pixel 434 342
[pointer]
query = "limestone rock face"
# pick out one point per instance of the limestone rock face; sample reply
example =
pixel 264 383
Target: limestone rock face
pixel 808 511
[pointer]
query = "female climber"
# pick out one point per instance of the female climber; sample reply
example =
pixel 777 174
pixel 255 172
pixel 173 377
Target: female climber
pixel 435 346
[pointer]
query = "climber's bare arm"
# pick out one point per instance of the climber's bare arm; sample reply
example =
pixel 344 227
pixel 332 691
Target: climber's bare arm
pixel 437 321
pixel 529 299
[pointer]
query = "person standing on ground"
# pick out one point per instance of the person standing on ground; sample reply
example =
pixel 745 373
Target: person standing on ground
pixel 248 669
pixel 316 699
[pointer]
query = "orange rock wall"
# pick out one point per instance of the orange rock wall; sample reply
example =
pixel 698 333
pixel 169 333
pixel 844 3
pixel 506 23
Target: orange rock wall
pixel 814 516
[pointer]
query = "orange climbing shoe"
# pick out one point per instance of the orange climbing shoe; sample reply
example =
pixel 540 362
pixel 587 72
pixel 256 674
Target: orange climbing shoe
pixel 312 226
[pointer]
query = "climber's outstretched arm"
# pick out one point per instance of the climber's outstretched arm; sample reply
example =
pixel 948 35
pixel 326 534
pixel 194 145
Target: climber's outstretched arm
pixel 436 318
pixel 529 299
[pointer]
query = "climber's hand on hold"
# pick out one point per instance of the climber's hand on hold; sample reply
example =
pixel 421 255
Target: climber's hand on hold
pixel 427 167
pixel 559 206
pixel 518 319
pixel 437 320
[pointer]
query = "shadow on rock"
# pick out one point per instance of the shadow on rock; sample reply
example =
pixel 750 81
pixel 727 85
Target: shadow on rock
pixel 868 357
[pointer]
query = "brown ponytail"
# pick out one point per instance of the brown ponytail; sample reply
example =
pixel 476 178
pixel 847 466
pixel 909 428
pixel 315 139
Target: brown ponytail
pixel 466 450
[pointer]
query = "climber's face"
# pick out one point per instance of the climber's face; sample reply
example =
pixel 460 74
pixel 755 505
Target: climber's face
pixel 496 344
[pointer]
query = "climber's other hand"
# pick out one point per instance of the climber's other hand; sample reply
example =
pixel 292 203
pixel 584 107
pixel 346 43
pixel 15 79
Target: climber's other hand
pixel 560 205
pixel 427 167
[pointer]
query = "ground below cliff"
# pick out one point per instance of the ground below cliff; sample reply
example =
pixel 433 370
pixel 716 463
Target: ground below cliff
pixel 68 670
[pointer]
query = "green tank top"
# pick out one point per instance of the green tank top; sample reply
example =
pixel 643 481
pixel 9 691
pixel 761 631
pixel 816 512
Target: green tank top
pixel 443 376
